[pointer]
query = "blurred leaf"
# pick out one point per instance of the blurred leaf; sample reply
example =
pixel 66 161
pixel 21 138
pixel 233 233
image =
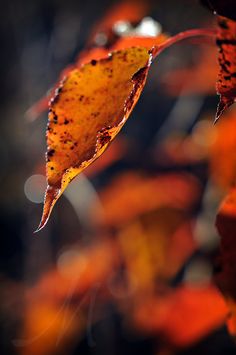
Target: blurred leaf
pixel 46 326
pixel 130 195
pixel 222 150
pixel 226 226
pixel 183 316
pixel 154 248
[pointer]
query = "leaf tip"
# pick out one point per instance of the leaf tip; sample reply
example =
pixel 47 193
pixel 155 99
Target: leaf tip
pixel 41 225
pixel 223 104
pixel 51 196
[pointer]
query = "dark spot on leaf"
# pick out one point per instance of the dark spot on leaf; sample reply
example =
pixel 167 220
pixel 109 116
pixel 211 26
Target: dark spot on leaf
pixel 51 152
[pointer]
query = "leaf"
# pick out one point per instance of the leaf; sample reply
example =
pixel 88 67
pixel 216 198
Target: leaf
pixel 222 151
pixel 77 273
pixel 226 85
pixel 226 276
pixel 183 316
pixel 90 108
pixel 131 195
pixel 56 306
pixel 148 241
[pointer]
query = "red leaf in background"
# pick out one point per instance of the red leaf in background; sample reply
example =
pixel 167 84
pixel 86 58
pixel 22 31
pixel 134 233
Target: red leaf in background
pixel 222 151
pixel 183 316
pixel 130 195
pixel 226 85
pixel 226 225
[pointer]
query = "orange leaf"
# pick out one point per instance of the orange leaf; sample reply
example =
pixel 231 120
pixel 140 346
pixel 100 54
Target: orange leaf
pixel 185 316
pixel 130 195
pixel 222 150
pixel 226 225
pixel 90 108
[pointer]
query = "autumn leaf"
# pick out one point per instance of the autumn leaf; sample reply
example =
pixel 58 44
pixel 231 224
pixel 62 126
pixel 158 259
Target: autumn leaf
pixel 226 42
pixel 226 226
pixel 130 195
pixel 149 241
pixel 77 273
pixel 56 306
pixel 226 276
pixel 183 316
pixel 226 85
pixel 222 151
pixel 89 110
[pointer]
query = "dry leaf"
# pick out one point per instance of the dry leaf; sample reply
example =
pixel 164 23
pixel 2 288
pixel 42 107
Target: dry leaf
pixel 90 108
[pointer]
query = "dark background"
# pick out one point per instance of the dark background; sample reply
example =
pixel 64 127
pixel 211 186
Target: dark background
pixel 37 40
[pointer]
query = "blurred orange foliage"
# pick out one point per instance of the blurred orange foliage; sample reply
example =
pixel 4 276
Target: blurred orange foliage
pixel 222 151
pixel 130 195
pixel 183 316
pixel 199 79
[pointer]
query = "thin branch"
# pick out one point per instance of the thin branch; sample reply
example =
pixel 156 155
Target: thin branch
pixel 207 32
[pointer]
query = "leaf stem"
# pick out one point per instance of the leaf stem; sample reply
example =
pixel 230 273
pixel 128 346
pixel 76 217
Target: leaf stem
pixel 205 32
